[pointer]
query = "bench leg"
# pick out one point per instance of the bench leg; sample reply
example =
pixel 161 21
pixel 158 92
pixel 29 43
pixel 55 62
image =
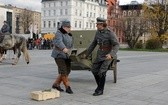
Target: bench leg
pixel 115 73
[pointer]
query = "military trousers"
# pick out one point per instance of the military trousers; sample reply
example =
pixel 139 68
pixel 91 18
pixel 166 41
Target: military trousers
pixel 100 68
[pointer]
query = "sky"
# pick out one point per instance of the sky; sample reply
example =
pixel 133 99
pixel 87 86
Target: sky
pixel 36 4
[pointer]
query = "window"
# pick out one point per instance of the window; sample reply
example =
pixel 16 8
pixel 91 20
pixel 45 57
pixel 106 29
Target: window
pixel 66 12
pixel 44 13
pixel 87 15
pixel 66 2
pixel 94 25
pixel 44 24
pixel 124 13
pixel 75 24
pixel 80 14
pixel 114 23
pixel 76 12
pixel 90 25
pixel 61 3
pixel 49 24
pixel 135 13
pixel 60 11
pixel 129 13
pixel 49 13
pixel 90 14
pixel 86 24
pixel 54 12
pixel 79 24
pixel 54 25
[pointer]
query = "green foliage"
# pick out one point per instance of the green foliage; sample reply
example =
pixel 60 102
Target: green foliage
pixel 139 45
pixel 157 15
pixel 153 43
pixel 149 50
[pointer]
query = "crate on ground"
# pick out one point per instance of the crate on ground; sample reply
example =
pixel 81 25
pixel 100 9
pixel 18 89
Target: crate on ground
pixel 45 94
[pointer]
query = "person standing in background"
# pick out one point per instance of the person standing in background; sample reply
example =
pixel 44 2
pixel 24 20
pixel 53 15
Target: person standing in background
pixel 5 28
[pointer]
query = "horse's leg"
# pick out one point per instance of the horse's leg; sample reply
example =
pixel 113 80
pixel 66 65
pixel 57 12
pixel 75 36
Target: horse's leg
pixel 4 54
pixel 14 52
pixel 18 53
pixel 24 50
pixel 1 54
pixel 26 54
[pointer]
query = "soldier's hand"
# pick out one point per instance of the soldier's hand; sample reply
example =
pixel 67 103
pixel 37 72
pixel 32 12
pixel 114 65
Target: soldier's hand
pixel 108 57
pixel 65 50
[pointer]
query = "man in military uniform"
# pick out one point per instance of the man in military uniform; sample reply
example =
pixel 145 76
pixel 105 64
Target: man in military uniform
pixel 108 47
pixel 62 45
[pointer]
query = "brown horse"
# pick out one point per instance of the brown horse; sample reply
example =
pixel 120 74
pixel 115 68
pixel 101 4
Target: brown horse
pixel 18 43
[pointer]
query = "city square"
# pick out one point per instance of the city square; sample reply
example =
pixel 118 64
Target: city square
pixel 56 33
pixel 141 80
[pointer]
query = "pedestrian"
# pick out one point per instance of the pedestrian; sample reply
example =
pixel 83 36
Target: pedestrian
pixel 62 45
pixel 5 28
pixel 108 47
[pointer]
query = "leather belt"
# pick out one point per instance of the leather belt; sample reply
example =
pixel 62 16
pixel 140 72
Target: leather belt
pixel 105 48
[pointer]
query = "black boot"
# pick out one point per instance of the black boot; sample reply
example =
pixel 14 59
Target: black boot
pixel 57 87
pixel 98 92
pixel 102 82
pixel 100 88
pixel 69 90
pixel 97 78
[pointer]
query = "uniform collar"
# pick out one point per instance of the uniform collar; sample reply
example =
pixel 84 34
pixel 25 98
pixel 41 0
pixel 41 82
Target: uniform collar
pixel 62 30
pixel 103 30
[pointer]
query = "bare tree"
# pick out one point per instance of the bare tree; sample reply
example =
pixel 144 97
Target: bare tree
pixel 26 19
pixel 133 28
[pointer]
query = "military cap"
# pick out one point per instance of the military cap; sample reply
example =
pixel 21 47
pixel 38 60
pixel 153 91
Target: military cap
pixel 100 20
pixel 66 23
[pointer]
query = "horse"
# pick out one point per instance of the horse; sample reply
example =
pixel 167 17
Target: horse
pixel 18 43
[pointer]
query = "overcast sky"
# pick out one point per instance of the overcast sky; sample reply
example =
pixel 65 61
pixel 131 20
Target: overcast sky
pixel 36 4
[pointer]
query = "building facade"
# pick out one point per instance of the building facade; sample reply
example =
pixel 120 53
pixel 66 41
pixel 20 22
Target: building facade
pixel 134 10
pixel 115 20
pixel 35 20
pixel 81 13
pixel 12 15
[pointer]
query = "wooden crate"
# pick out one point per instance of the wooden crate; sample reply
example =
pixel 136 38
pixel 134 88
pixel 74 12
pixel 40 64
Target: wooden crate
pixel 45 94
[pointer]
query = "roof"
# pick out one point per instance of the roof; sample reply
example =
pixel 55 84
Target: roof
pixel 47 0
pixel 131 7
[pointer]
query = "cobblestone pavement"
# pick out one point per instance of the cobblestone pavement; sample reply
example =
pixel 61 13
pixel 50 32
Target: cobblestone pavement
pixel 142 80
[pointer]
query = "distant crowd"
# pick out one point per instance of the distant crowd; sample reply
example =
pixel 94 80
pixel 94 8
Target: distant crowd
pixel 39 43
